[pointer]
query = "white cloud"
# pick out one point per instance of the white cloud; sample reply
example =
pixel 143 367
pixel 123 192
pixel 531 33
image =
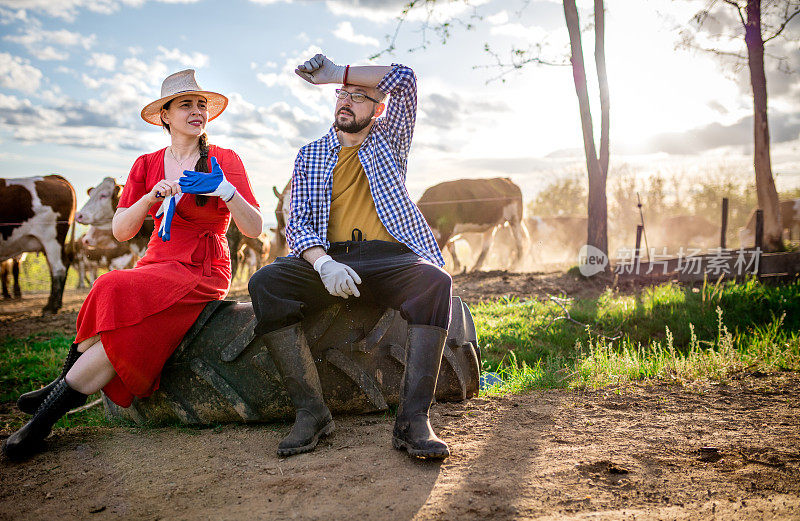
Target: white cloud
pixel 101 60
pixel 195 60
pixel 17 73
pixel 69 9
pixel 499 18
pixel 270 79
pixel 520 32
pixel 388 10
pixel 50 45
pixel 313 96
pixel 344 31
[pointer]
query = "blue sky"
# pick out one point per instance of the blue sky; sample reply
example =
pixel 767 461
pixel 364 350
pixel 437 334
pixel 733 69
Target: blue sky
pixel 75 74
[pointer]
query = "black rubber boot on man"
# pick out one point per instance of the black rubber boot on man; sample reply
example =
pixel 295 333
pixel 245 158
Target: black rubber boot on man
pixel 30 402
pixel 29 439
pixel 292 356
pixel 412 428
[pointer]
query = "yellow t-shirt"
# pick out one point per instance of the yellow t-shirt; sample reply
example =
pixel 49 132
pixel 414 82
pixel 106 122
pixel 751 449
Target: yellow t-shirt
pixel 352 205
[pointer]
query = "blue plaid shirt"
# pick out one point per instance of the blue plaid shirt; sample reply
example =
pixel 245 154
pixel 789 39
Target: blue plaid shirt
pixel 383 154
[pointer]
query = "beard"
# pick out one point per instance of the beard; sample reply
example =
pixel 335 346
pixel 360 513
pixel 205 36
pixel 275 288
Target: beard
pixel 355 125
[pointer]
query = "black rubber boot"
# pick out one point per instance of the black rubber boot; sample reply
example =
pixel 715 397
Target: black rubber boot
pixel 28 440
pixel 313 420
pixel 30 402
pixel 412 428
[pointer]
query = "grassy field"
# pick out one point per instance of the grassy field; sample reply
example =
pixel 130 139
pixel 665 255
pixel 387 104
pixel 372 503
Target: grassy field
pixel 667 333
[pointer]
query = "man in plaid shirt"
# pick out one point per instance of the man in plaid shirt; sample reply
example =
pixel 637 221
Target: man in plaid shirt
pixel 354 230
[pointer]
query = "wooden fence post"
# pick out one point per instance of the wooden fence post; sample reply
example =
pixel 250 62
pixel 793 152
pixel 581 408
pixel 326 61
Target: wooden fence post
pixel 639 229
pixel 724 230
pixel 759 229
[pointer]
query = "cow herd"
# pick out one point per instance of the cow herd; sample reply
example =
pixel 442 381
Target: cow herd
pixel 37 214
pixel 473 216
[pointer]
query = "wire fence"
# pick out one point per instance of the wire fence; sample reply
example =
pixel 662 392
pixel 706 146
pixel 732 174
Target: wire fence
pixel 34 276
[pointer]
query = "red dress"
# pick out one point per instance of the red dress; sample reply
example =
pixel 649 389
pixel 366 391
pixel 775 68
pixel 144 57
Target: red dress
pixel 141 314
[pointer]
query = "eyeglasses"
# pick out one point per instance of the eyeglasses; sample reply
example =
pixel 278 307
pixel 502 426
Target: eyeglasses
pixel 357 97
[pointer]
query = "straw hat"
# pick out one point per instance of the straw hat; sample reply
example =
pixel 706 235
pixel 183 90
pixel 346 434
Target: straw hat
pixel 180 84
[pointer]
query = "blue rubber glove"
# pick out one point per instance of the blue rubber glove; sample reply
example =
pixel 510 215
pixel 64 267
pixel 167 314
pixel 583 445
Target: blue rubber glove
pixel 167 209
pixel 212 184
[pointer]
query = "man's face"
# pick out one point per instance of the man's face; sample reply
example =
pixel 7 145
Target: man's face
pixel 354 117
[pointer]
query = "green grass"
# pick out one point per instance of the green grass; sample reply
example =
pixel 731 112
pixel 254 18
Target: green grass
pixel 29 363
pixel 666 332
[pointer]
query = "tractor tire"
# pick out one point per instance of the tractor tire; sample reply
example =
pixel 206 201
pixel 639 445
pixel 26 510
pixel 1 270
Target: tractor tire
pixel 221 373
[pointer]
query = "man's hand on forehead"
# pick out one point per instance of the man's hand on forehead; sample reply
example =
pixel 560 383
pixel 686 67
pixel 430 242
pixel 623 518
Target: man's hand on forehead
pixel 319 70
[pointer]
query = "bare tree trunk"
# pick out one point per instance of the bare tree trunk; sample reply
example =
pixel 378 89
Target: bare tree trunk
pixel 602 80
pixel 597 227
pixel 765 185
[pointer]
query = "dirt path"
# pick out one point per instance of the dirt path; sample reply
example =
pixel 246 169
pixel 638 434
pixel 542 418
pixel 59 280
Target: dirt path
pixel 608 454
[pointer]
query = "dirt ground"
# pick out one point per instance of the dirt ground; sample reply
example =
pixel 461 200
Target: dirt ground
pixel 616 453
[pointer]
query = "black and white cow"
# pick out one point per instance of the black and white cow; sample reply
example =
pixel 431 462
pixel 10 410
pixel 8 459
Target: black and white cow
pixel 35 215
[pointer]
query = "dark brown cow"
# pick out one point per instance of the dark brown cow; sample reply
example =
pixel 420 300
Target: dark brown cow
pixel 790 217
pixel 35 215
pixel 474 205
pixel 277 244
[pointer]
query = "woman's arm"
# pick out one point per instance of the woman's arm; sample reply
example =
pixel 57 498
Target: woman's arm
pixel 247 218
pixel 127 221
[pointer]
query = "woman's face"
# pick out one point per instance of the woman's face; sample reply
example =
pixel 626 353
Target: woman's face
pixel 186 115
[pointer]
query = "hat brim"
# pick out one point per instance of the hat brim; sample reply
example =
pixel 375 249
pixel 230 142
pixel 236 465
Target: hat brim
pixel 215 103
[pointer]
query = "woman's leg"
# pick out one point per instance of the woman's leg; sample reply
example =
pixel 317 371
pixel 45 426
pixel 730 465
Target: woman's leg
pixel 89 342
pixel 30 402
pixel 92 371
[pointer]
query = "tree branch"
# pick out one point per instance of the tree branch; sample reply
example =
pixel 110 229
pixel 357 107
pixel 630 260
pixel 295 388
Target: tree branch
pixel 782 27
pixel 738 10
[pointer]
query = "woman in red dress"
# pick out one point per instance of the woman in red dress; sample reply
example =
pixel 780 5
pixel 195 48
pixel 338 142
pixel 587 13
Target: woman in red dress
pixel 132 320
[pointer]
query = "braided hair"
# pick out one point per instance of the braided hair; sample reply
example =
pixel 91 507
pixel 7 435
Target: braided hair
pixel 202 163
pixel 202 166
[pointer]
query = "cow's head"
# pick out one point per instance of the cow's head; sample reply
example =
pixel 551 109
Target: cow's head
pixel 98 238
pixel 102 203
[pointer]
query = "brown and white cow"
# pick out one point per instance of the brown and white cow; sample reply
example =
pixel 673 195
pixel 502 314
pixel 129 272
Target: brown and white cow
pixel 11 267
pixel 475 205
pixel 98 248
pixel 35 215
pixel 790 216
pixel 277 243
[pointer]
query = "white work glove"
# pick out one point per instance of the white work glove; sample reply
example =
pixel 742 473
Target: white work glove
pixel 320 69
pixel 339 279
pixel 167 209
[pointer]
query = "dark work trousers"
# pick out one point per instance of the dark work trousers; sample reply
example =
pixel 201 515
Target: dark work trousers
pixel 289 289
